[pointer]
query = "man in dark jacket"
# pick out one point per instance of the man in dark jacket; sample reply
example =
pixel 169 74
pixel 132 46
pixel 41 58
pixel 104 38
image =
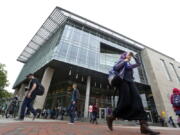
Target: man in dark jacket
pixel 73 105
pixel 29 97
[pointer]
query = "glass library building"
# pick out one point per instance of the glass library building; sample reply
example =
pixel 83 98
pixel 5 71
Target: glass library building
pixel 71 49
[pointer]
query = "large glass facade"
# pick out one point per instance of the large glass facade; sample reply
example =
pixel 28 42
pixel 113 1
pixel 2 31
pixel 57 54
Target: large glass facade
pixel 81 47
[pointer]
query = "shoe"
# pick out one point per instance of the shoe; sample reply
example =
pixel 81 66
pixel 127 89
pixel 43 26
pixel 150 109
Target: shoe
pixel 19 119
pixel 70 123
pixel 34 117
pixel 109 121
pixel 146 130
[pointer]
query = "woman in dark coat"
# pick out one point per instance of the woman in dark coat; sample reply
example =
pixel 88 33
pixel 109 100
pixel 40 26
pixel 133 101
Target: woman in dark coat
pixel 129 106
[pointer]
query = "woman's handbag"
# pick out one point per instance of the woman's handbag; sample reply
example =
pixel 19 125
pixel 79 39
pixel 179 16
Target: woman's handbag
pixel 111 78
pixel 114 80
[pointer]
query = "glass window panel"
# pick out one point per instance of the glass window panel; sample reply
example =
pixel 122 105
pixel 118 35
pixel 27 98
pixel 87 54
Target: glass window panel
pixel 91 59
pixel 82 56
pixel 72 53
pixel 85 38
pixel 67 32
pixel 94 44
pixel 97 61
pixel 76 35
pixel 63 49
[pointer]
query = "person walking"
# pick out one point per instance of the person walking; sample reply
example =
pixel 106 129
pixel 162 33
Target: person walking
pixel 95 111
pixel 162 121
pixel 175 101
pixel 109 111
pixel 178 121
pixel 129 105
pixel 62 113
pixel 171 122
pixel 74 99
pixel 12 108
pixel 90 113
pixel 29 97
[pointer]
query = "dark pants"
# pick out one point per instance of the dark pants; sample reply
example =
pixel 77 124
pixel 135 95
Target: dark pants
pixel 27 103
pixel 72 108
pixel 162 122
pixel 62 116
pixel 129 106
pixel 94 116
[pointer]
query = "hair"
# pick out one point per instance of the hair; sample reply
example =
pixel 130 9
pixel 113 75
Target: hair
pixel 131 53
pixel 74 84
pixel 30 75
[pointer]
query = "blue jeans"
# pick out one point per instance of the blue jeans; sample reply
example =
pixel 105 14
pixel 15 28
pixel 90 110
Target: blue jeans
pixel 72 108
pixel 27 103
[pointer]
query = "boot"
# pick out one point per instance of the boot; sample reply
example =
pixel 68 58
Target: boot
pixel 146 130
pixel 20 118
pixel 109 121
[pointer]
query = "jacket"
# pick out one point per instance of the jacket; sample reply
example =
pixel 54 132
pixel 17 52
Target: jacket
pixel 75 95
pixel 122 66
pixel 175 91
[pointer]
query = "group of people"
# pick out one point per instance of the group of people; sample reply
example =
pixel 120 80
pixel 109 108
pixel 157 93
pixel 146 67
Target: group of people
pixel 56 113
pixel 129 105
pixel 94 113
pixel 10 107
pixel 33 90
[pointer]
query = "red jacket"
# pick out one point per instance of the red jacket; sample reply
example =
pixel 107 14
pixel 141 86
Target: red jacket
pixel 175 91
pixel 95 108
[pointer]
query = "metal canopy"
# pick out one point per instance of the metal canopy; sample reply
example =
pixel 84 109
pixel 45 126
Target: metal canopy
pixel 51 24
pixel 56 19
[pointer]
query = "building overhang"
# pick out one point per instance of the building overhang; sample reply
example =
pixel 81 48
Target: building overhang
pixel 54 21
pixel 50 26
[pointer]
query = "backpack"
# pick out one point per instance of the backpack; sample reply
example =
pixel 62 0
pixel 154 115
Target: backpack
pixel 176 100
pixel 40 90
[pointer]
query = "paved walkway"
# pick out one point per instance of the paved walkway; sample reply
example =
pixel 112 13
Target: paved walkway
pixel 41 127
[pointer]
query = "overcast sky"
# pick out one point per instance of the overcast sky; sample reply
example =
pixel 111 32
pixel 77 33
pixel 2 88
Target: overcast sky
pixel 155 23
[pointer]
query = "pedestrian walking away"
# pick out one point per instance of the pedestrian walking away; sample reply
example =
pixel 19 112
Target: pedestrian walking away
pixel 171 122
pixel 129 105
pixel 73 104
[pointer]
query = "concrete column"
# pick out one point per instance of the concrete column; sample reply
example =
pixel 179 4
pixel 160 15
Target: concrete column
pixel 21 94
pixel 46 81
pixel 88 87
